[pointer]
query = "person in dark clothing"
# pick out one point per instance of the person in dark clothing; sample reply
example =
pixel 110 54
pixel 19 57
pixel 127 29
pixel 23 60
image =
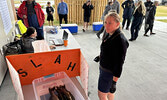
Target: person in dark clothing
pixel 149 18
pixel 112 56
pixel 87 12
pixel 33 16
pixel 27 39
pixel 139 12
pixel 128 7
pixel 148 5
pixel 49 11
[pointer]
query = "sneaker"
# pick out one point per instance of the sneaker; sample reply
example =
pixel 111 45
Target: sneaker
pixel 146 35
pixel 152 33
pixel 83 30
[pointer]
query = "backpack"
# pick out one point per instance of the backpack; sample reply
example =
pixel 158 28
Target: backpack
pixel 12 48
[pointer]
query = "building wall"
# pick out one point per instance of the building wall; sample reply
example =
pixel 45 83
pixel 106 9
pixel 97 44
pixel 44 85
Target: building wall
pixel 5 39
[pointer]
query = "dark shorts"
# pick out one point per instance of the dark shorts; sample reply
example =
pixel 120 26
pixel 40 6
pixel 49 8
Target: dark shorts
pixel 105 81
pixel 50 18
pixel 86 19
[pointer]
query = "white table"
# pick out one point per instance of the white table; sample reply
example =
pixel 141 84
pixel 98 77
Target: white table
pixel 72 43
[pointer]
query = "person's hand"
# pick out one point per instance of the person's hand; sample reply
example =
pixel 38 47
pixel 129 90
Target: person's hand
pixel 52 47
pixel 97 59
pixel 113 87
pixel 88 3
pixel 24 16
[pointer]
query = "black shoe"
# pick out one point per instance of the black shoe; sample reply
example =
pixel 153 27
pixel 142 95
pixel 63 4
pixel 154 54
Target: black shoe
pixel 98 35
pixel 131 39
pixel 83 30
pixel 146 35
pixel 152 33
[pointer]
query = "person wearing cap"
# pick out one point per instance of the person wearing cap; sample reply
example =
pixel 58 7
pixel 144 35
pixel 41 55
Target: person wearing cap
pixel 87 13
pixel 33 16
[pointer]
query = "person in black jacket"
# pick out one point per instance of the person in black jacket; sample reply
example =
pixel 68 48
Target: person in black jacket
pixel 139 12
pixel 87 12
pixel 113 51
pixel 148 5
pixel 128 7
pixel 150 19
pixel 49 11
pixel 28 38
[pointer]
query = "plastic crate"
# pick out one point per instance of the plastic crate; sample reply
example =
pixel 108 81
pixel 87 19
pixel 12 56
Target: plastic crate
pixel 73 28
pixel 42 84
pixel 97 26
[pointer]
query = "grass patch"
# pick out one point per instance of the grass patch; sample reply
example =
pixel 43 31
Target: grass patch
pixel 161 11
pixel 163 20
pixel 55 22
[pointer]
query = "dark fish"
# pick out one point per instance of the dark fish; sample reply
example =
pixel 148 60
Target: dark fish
pixel 52 93
pixel 68 95
pixel 60 95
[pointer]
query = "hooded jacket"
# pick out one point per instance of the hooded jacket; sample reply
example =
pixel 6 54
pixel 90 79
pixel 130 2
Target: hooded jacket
pixel 38 11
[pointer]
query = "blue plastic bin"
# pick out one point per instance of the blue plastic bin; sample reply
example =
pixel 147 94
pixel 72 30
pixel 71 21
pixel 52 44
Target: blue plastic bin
pixel 73 28
pixel 97 26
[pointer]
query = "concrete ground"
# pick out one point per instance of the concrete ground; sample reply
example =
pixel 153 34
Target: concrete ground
pixel 144 75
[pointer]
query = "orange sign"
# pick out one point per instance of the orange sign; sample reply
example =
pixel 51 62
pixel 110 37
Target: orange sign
pixel 35 65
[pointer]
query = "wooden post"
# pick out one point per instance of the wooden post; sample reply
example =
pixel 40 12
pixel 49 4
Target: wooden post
pixel 14 11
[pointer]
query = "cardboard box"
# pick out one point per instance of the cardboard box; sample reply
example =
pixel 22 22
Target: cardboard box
pixel 97 26
pixel 73 28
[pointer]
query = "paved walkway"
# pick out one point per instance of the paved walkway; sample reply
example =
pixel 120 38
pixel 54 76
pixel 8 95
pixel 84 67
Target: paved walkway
pixel 144 74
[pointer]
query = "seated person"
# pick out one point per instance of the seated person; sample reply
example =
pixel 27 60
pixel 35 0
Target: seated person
pixel 28 38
